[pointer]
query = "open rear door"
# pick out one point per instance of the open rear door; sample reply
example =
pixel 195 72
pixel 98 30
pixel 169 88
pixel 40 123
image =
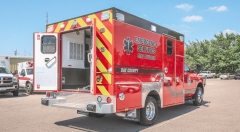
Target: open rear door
pixel 46 62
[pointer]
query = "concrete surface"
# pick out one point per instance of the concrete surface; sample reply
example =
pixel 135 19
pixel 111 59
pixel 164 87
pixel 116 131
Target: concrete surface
pixel 220 113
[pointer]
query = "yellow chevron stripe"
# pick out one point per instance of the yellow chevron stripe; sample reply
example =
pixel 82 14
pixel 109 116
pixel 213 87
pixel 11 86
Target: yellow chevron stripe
pixel 100 66
pixel 57 28
pixel 100 25
pixel 69 25
pixel 103 90
pixel 102 69
pixel 81 22
pixel 106 53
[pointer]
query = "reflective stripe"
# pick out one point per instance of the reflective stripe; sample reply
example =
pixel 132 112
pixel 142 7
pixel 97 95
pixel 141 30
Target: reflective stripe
pixel 103 90
pixel 102 69
pixel 106 52
pixel 57 28
pixel 100 25
pixel 69 25
pixel 81 22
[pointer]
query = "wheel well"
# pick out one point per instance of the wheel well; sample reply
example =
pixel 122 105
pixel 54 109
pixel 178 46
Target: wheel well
pixel 156 96
pixel 27 82
pixel 201 86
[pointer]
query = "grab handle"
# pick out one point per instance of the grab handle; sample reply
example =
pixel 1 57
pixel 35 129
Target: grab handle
pixel 89 57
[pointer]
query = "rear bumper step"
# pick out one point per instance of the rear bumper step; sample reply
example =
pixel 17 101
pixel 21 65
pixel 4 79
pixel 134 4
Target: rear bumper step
pixel 82 108
pixel 50 101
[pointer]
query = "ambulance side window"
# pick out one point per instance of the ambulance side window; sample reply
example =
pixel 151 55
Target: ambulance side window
pixel 169 47
pixel 48 44
pixel 23 72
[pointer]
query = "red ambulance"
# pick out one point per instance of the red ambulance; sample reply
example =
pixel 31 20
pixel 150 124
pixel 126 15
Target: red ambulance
pixel 110 62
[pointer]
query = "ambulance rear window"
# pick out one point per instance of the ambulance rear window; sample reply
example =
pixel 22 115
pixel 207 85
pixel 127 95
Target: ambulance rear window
pixel 48 44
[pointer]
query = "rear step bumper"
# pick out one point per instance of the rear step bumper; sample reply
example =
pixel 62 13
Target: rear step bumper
pixel 50 101
pixel 82 108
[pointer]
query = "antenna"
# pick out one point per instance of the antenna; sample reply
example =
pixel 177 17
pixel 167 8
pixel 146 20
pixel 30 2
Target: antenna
pixel 47 18
pixel 15 52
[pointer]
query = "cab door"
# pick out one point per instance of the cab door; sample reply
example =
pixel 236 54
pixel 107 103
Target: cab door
pixel 21 78
pixel 46 62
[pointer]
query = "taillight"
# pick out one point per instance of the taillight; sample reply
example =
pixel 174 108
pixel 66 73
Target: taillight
pixel 99 99
pixel 48 94
pixel 109 100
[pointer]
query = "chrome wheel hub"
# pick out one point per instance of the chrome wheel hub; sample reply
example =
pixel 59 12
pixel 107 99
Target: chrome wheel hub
pixel 150 111
pixel 199 96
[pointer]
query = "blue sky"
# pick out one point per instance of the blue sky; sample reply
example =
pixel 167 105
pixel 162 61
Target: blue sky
pixel 198 20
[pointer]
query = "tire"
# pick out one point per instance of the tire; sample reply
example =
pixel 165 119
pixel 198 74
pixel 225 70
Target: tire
pixel 198 97
pixel 29 88
pixel 15 93
pixel 149 113
pixel 96 115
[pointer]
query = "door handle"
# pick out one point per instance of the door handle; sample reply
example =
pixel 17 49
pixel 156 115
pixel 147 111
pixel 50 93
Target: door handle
pixel 50 62
pixel 47 59
pixel 89 57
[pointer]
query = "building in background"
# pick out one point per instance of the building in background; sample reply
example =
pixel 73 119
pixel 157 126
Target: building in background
pixel 11 62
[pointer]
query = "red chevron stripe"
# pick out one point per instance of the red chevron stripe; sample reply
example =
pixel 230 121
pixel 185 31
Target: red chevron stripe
pixel 65 24
pixel 105 42
pixel 103 59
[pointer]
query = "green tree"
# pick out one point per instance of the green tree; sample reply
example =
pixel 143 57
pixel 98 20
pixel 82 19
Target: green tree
pixel 220 54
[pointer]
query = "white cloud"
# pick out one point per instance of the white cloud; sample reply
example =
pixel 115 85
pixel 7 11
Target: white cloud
pixel 184 6
pixel 192 18
pixel 221 8
pixel 230 31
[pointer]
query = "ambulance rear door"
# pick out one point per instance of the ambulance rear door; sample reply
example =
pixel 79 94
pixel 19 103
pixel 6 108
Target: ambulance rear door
pixel 46 62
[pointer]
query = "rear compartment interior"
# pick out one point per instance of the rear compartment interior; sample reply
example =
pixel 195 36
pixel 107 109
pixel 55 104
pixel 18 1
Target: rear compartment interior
pixel 76 46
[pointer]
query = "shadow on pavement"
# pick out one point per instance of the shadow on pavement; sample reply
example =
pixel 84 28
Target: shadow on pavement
pixel 114 123
pixel 10 95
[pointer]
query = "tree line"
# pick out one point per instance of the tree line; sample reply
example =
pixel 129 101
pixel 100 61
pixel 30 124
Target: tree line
pixel 220 54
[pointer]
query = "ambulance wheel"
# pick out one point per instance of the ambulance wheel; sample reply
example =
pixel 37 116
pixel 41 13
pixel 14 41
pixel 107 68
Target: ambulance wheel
pixel 149 113
pixel 15 93
pixel 198 97
pixel 29 88
pixel 96 115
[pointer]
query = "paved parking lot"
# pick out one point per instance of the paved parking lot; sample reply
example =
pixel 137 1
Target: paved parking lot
pixel 220 113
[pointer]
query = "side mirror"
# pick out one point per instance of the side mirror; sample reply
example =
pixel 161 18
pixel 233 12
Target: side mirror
pixel 192 71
